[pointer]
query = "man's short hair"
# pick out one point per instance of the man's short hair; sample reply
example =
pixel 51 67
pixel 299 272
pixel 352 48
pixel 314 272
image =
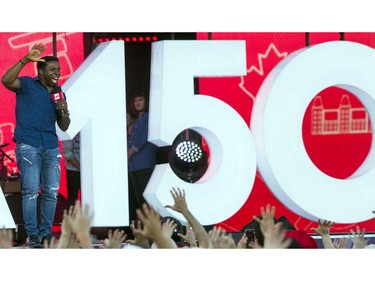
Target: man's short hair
pixel 42 64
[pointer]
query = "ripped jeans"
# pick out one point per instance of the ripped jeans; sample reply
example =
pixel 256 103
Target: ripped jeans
pixel 40 170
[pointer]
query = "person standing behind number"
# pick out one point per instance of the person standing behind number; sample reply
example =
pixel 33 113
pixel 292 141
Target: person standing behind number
pixel 141 153
pixel 71 153
pixel 37 150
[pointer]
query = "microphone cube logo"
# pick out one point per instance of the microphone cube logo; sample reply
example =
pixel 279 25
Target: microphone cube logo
pixel 56 97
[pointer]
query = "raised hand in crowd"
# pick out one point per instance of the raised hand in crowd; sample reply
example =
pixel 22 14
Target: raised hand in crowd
pixel 219 239
pixel 6 238
pixel 274 237
pixel 168 227
pixel 114 239
pixel 267 219
pixel 340 243
pixel 323 230
pixel 152 228
pixel 139 240
pixel 273 233
pixel 189 236
pixel 242 243
pixel 79 221
pixel 358 238
pixel 66 230
pixel 180 205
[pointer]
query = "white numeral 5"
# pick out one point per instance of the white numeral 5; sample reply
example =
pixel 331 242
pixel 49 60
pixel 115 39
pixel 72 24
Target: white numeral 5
pixel 229 179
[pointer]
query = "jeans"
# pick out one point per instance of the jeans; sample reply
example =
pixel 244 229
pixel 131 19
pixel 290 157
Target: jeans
pixel 40 174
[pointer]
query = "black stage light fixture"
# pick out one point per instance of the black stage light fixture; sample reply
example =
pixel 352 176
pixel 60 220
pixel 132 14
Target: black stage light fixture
pixel 189 152
pixel 188 159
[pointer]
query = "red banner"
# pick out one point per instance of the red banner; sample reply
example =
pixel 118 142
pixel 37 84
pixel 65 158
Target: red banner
pixel 336 128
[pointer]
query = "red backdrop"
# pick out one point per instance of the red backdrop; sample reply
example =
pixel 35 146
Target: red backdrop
pixel 334 148
pixel 337 147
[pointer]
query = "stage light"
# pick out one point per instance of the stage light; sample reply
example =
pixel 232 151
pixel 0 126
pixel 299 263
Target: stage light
pixel 189 151
pixel 129 38
pixel 189 156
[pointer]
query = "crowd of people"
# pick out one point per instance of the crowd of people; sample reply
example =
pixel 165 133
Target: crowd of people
pixel 150 231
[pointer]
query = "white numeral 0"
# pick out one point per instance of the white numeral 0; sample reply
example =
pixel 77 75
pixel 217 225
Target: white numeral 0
pixel 276 124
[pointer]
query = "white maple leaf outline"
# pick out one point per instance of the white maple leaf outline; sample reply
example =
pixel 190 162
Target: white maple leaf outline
pixel 259 69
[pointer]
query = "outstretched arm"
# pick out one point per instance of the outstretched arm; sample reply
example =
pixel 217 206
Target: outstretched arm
pixel 180 206
pixel 323 231
pixel 358 239
pixel 10 78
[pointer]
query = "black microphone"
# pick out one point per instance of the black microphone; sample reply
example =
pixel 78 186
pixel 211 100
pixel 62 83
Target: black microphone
pixel 3 145
pixel 57 95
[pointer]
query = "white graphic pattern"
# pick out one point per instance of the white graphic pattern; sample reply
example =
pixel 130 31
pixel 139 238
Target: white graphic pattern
pixel 342 120
pixel 259 69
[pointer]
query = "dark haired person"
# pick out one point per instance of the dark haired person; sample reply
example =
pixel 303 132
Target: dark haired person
pixel 37 151
pixel 141 153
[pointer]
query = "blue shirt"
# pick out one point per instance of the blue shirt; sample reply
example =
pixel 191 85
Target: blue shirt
pixel 35 115
pixel 145 158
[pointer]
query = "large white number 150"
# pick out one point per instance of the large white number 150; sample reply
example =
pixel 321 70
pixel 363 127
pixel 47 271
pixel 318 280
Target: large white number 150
pixel 96 95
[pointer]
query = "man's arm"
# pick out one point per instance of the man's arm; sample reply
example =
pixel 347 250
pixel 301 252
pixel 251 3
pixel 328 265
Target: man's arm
pixel 10 79
pixel 63 115
pixel 63 122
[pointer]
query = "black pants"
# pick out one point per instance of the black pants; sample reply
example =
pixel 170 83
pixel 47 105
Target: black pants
pixel 137 184
pixel 73 183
